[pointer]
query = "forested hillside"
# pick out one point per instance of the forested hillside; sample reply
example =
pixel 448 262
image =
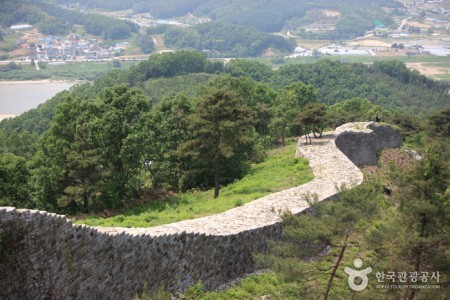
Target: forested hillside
pixel 267 15
pixel 218 39
pixel 380 83
pixel 104 144
pixel 223 40
pixel 51 19
pixel 180 123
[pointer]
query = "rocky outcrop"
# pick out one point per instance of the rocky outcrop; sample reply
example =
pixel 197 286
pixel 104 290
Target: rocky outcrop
pixel 361 141
pixel 45 256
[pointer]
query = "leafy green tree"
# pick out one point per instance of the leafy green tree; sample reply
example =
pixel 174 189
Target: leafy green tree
pixel 245 68
pixel 290 100
pixel 146 43
pixel 387 84
pixel 354 110
pixel 14 177
pixel 52 25
pixel 222 125
pixel 171 64
pixel 88 159
pixel 214 67
pixel 50 164
pixel 313 118
pixel 109 79
pixel 161 133
pixel 108 28
pixel 225 40
pixel 19 143
pixel 112 122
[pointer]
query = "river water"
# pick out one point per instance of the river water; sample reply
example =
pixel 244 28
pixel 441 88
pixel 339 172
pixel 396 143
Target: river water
pixel 19 96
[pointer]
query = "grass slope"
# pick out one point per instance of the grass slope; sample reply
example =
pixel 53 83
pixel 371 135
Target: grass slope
pixel 68 71
pixel 279 171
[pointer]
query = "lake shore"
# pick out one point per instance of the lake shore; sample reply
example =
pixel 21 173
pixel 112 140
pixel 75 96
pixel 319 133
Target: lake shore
pixel 6 116
pixel 43 81
pixel 18 96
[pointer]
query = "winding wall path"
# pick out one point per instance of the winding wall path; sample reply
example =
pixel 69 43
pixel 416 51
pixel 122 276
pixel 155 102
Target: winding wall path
pixel 331 169
pixel 45 256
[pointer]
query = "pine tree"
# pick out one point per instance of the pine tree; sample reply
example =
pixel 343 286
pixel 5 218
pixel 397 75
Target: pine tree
pixel 313 118
pixel 416 238
pixel 315 243
pixel 222 127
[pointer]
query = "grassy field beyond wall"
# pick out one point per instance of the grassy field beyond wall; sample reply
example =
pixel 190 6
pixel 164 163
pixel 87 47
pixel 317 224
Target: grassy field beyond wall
pixel 279 171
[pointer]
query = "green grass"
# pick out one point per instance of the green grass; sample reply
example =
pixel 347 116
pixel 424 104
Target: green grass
pixel 444 77
pixel 9 42
pixel 252 287
pixel 80 70
pixel 67 71
pixel 279 171
pixel 256 286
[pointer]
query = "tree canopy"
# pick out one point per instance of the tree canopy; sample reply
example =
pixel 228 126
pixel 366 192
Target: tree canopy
pixel 166 124
pixel 223 40
pixel 51 19
pixel 266 15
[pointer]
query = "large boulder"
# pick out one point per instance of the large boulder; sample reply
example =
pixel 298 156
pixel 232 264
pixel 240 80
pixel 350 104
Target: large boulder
pixel 361 141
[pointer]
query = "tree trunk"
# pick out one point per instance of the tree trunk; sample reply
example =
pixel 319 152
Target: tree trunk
pixel 155 182
pixel 418 260
pixel 314 131
pixel 216 176
pixel 85 202
pixel 335 266
pixel 307 137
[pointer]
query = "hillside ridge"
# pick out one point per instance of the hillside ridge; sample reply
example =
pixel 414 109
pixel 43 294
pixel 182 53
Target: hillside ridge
pixel 46 256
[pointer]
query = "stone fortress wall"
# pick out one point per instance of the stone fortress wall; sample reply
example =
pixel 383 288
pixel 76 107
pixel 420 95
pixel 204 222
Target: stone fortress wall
pixel 45 256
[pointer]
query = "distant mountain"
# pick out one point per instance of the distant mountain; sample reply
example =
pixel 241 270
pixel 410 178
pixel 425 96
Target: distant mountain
pixel 54 20
pixel 264 15
pixel 225 40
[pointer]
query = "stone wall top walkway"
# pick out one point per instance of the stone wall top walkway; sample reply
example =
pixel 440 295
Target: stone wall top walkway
pixel 331 169
pixel 48 257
